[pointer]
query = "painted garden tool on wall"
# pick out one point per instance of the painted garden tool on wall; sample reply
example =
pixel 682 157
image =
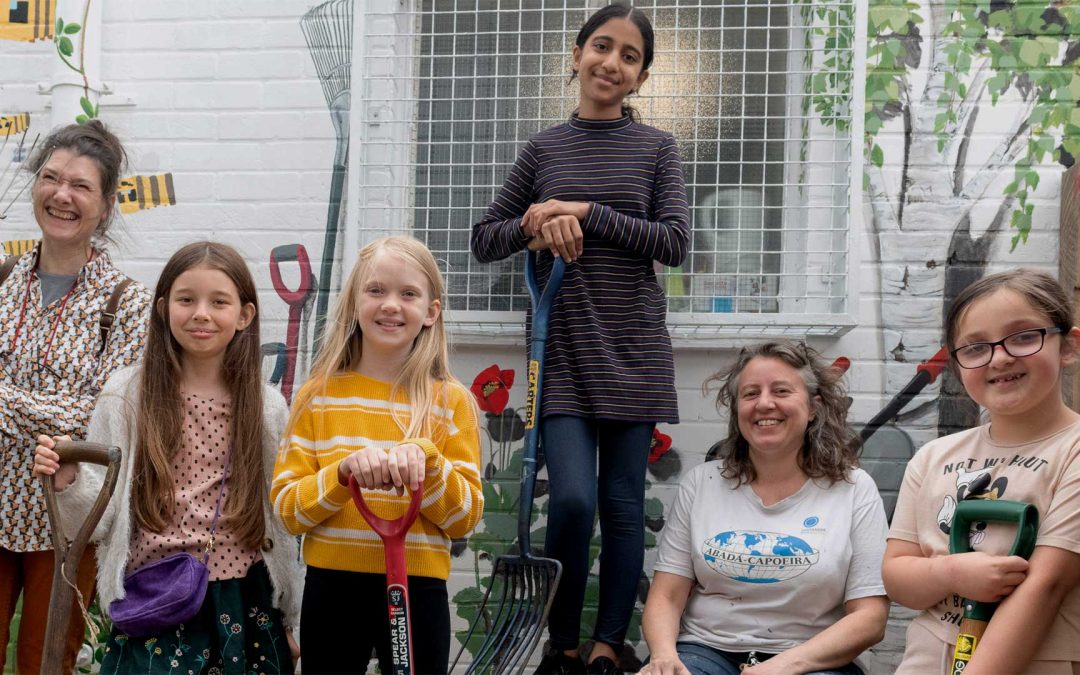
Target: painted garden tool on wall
pixel 296 300
pixel 67 556
pixel 522 586
pixel 926 373
pixel 328 30
pixel 969 511
pixel 392 533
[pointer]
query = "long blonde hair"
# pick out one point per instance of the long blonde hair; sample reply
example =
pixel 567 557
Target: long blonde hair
pixel 427 365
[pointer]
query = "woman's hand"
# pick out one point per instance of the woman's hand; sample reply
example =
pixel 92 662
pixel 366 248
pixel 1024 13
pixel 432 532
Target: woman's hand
pixel 47 462
pixel 541 212
pixel 376 469
pixel 984 577
pixel 668 666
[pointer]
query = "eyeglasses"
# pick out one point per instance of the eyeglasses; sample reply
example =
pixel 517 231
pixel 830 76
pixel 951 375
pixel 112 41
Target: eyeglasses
pixel 1017 345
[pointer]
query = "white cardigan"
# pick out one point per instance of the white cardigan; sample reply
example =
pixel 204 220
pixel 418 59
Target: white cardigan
pixel 113 423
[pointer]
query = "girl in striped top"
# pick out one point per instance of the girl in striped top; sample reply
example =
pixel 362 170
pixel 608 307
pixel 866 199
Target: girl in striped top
pixel 606 194
pixel 381 406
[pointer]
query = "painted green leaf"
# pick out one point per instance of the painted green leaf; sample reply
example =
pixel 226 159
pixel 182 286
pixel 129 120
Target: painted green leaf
pixel 65 46
pixel 87 106
pixel 877 156
pixel 81 119
pixel 72 28
pixel 59 25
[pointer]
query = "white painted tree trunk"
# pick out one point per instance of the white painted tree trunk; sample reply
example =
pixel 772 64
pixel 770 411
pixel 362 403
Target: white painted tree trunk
pixel 913 227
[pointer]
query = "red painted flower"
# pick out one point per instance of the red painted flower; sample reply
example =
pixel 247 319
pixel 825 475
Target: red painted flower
pixel 492 389
pixel 659 446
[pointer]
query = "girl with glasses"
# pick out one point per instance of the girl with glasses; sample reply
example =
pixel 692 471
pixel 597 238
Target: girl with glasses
pixel 1011 336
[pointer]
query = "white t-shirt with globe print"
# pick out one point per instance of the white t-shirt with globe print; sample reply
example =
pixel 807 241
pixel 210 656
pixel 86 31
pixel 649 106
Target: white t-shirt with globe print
pixel 769 578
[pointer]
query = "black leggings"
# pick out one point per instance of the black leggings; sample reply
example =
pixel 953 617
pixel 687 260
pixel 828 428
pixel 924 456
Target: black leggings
pixel 344 616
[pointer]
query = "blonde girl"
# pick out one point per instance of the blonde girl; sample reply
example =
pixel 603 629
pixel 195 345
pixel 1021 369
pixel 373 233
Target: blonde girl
pixel 380 406
pixel 1010 335
pixel 194 415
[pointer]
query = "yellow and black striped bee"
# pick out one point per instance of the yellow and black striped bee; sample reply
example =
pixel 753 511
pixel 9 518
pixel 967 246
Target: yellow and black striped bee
pixel 138 193
pixel 17 246
pixel 14 124
pixel 27 20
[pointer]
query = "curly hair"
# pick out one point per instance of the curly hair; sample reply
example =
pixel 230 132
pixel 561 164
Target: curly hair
pixel 829 450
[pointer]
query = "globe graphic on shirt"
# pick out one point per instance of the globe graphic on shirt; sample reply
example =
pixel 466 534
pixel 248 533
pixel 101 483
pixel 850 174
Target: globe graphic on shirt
pixel 758 557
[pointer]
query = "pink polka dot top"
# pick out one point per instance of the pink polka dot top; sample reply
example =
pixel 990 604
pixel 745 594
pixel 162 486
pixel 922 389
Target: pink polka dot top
pixel 197 471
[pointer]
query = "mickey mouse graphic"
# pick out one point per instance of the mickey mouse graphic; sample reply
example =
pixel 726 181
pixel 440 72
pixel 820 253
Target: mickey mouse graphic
pixel 971 485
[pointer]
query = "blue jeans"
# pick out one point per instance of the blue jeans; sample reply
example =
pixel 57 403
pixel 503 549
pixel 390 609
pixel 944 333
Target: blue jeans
pixel 572 446
pixel 702 660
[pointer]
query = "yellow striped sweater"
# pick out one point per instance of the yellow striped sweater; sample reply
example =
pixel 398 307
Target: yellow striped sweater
pixel 356 412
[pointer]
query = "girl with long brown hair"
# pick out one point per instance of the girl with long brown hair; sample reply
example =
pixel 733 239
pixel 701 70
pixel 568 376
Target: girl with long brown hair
pixel 382 407
pixel 201 432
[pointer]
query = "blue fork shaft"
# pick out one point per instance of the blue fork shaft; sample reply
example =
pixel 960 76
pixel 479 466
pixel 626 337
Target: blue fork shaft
pixel 541 304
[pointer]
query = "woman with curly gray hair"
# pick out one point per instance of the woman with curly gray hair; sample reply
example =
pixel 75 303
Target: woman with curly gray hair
pixel 771 559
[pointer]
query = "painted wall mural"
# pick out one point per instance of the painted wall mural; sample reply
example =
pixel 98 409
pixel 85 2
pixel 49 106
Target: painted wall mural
pixel 27 20
pixel 328 31
pixel 935 72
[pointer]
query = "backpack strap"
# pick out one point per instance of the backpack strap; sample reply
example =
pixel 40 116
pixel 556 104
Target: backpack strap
pixel 8 265
pixel 108 317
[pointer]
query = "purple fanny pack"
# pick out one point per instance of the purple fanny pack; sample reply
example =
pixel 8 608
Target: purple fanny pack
pixel 161 595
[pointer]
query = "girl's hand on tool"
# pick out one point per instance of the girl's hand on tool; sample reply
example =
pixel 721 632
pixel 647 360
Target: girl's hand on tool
pixel 984 577
pixel 669 666
pixel 47 462
pixel 541 212
pixel 564 237
pixel 369 466
pixel 407 466
pixel 294 648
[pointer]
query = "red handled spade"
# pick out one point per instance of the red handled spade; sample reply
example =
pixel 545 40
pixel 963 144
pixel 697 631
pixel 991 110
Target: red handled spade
pixel 392 533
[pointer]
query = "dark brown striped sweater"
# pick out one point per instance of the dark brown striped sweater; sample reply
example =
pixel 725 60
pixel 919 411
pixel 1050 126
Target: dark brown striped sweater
pixel 609 352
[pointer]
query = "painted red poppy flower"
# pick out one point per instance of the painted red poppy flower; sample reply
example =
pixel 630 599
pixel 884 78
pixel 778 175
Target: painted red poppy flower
pixel 492 388
pixel 659 446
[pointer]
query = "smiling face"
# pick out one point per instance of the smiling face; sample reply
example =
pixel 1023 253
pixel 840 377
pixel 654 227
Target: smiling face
pixel 204 313
pixel 773 407
pixel 1010 387
pixel 609 67
pixel 395 304
pixel 68 200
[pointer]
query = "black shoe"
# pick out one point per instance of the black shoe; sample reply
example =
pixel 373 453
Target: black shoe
pixel 603 666
pixel 558 663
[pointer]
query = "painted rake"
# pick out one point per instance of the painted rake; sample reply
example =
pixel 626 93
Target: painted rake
pixel 518 599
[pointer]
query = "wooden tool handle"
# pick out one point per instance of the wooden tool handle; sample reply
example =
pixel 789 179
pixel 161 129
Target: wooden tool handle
pixel 84 451
pixel 971 632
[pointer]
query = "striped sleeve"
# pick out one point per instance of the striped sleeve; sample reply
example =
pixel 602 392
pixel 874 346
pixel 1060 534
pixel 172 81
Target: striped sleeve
pixel 304 493
pixel 665 238
pixel 498 235
pixel 454 500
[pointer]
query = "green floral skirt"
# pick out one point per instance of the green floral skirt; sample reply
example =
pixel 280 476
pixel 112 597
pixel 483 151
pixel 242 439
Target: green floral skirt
pixel 237 631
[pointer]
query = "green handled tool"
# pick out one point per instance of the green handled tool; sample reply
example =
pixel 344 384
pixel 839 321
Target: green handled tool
pixel 977 614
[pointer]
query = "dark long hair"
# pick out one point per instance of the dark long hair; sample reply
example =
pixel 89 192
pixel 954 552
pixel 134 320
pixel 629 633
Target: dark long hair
pixel 639 19
pixel 828 449
pixel 160 412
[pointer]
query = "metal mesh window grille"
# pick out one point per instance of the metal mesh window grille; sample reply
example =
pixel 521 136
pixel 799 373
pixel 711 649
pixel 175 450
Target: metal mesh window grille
pixel 757 93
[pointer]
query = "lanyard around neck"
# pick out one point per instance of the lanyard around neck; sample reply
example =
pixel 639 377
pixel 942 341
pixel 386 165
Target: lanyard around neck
pixel 59 314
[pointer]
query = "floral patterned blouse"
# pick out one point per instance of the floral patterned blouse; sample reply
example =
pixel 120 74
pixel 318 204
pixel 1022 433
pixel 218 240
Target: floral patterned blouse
pixel 50 376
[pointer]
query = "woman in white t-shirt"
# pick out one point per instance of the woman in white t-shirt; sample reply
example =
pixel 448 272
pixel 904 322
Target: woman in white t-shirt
pixel 771 557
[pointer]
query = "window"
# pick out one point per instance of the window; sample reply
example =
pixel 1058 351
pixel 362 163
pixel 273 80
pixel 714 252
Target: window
pixel 756 92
